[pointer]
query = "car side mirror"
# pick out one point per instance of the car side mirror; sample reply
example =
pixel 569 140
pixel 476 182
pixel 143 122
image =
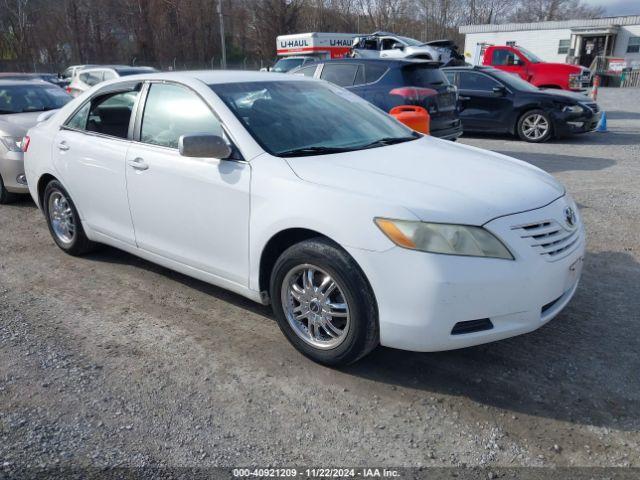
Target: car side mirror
pixel 518 62
pixel 203 145
pixel 397 46
pixel 501 91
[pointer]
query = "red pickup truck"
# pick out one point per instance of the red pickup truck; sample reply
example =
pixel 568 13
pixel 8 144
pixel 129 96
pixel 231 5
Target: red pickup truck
pixel 536 71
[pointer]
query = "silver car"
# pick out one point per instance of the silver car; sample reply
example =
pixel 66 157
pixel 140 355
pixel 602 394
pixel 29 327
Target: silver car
pixel 389 45
pixel 21 104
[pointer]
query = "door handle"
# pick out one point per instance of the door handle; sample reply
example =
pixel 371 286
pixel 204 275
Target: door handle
pixel 463 98
pixel 138 163
pixel 63 146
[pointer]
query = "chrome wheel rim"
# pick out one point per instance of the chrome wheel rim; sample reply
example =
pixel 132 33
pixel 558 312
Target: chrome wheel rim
pixel 535 126
pixel 315 306
pixel 61 217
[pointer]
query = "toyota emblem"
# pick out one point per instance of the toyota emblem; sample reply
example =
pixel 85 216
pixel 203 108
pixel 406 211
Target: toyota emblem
pixel 570 216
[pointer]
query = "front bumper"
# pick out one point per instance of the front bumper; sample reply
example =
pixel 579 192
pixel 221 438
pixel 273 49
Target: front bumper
pixel 422 297
pixel 569 124
pixel 12 172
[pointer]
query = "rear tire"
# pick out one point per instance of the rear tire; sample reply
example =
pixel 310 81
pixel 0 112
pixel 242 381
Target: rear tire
pixel 64 222
pixel 6 196
pixel 330 315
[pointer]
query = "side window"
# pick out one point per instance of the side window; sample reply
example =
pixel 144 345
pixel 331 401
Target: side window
pixel 451 76
pixel 307 71
pixel 359 76
pixel 476 81
pixel 373 72
pixel 79 120
pixel 503 57
pixel 108 75
pixel 388 43
pixel 341 74
pixel 172 111
pixel 110 114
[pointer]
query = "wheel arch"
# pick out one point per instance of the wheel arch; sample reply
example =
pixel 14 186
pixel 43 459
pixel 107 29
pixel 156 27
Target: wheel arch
pixel 43 181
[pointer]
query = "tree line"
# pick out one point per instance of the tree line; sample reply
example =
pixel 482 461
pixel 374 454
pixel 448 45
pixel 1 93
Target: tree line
pixel 50 34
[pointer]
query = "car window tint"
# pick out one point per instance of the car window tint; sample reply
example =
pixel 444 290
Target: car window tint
pixel 373 72
pixel 503 57
pixel 420 75
pixel 172 111
pixel 359 80
pixel 307 71
pixel 79 120
pixel 476 81
pixel 110 114
pixel 451 76
pixel 341 74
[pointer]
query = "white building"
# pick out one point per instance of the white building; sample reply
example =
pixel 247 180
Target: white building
pixel 572 41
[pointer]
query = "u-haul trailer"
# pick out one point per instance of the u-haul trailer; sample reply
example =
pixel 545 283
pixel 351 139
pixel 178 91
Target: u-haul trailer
pixel 319 45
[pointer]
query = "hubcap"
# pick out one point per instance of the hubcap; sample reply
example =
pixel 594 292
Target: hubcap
pixel 535 126
pixel 61 217
pixel 315 306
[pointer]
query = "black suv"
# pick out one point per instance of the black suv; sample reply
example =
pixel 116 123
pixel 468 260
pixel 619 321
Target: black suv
pixel 390 83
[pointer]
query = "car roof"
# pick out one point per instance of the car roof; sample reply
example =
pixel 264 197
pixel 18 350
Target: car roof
pixel 379 61
pixel 116 67
pixel 211 77
pixel 477 68
pixel 11 82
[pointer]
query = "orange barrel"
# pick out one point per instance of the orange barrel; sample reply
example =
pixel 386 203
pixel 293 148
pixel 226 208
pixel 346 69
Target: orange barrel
pixel 413 117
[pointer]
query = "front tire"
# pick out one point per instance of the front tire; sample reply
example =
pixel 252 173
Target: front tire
pixel 6 196
pixel 535 126
pixel 323 303
pixel 64 221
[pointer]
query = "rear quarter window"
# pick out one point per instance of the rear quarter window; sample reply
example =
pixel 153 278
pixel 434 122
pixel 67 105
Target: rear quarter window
pixel 424 75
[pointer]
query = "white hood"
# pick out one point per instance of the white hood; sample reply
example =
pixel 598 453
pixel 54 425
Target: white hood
pixel 437 180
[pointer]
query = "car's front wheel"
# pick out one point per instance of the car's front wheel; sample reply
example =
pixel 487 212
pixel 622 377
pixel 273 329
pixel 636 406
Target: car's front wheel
pixel 535 126
pixel 323 303
pixel 64 221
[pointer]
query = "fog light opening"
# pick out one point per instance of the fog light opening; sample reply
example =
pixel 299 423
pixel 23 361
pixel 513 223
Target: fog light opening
pixel 21 179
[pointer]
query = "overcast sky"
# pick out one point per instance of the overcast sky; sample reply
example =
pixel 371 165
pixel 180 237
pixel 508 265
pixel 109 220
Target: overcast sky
pixel 618 7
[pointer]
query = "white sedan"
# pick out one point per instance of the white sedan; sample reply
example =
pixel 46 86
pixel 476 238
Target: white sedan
pixel 297 193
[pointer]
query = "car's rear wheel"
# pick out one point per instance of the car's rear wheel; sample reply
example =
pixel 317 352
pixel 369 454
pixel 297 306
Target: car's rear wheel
pixel 323 303
pixel 64 221
pixel 5 196
pixel 535 126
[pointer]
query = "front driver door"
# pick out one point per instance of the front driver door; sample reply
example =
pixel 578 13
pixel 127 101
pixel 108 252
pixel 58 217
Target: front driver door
pixel 194 211
pixel 482 109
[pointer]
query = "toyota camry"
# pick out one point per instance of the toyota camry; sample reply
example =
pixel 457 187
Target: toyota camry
pixel 297 193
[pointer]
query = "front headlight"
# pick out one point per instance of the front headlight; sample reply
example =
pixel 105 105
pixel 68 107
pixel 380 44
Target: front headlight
pixel 13 144
pixel 443 238
pixel 573 109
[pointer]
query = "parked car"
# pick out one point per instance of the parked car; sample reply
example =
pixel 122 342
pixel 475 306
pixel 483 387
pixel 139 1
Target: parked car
pixel 389 45
pixel 530 67
pixel 21 103
pixel 494 101
pixel 391 83
pixel 301 194
pixel 53 78
pixel 87 78
pixel 286 64
pixel 72 71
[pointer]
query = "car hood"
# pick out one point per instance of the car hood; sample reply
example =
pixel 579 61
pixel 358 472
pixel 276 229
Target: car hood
pixel 564 95
pixel 437 180
pixel 17 124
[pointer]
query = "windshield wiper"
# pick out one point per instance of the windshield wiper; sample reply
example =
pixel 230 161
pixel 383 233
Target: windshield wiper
pixel 381 142
pixel 306 151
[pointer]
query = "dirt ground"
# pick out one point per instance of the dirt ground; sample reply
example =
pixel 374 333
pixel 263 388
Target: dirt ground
pixel 112 361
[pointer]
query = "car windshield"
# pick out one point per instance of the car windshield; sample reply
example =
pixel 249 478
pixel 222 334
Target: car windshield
pixel 530 56
pixel 31 98
pixel 514 80
pixel 411 41
pixel 286 64
pixel 297 118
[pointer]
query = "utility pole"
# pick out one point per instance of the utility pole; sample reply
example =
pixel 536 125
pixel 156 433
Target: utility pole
pixel 223 60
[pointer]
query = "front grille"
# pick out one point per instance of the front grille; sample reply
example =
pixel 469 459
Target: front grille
pixel 549 238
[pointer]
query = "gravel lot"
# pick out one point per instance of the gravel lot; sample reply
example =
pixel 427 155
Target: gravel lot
pixel 112 361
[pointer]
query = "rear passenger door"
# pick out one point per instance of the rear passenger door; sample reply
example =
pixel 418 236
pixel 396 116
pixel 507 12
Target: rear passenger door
pixel 194 211
pixel 341 74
